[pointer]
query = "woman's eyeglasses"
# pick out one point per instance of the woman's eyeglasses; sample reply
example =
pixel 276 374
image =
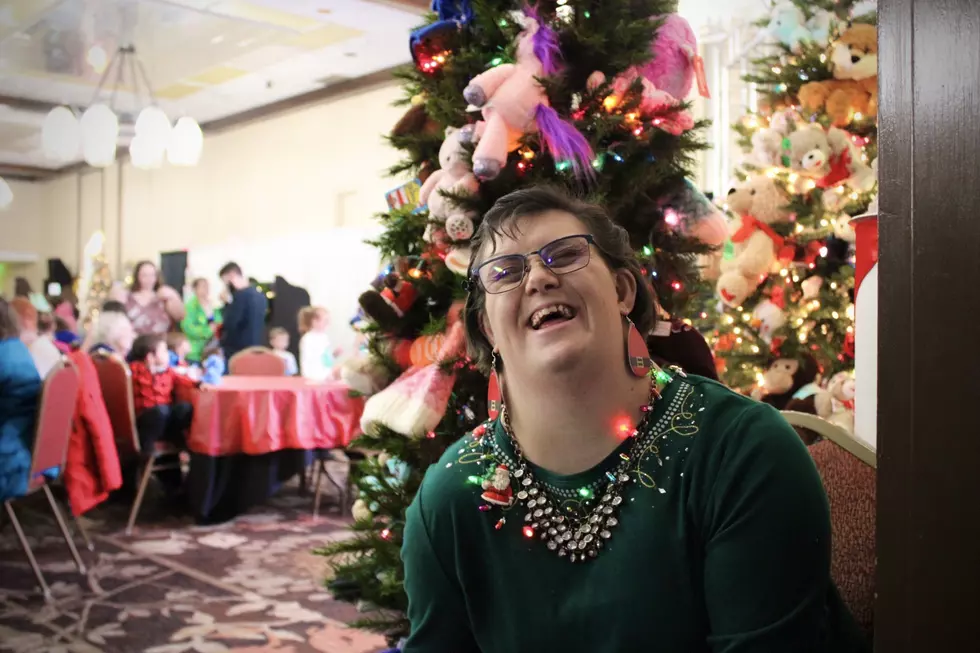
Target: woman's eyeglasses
pixel 561 256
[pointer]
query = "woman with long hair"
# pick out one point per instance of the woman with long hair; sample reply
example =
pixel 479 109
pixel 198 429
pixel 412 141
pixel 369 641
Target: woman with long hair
pixel 151 306
pixel 608 505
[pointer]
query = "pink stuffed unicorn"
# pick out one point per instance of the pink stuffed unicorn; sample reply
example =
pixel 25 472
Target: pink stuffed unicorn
pixel 675 57
pixel 514 104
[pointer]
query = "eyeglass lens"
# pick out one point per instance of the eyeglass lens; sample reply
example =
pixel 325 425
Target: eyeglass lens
pixel 560 256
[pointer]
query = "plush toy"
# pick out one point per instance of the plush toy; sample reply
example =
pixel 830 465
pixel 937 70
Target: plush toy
pixel 454 177
pixel 784 378
pixel 767 318
pixel 364 375
pixel 675 62
pixel 417 122
pixel 689 211
pixel 854 89
pixel 387 306
pixel 670 114
pixel 415 403
pixel 789 26
pixel 514 103
pixel 811 287
pixel 759 203
pixel 829 157
pixel 836 404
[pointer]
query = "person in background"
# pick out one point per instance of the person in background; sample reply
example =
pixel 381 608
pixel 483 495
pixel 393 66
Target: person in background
pixel 112 333
pixel 212 365
pixel 316 356
pixel 42 348
pixel 65 337
pixel 45 350
pixel 179 346
pixel 279 341
pixel 64 307
pixel 159 417
pixel 244 317
pixel 201 320
pixel 151 306
pixel 22 288
pixel 20 394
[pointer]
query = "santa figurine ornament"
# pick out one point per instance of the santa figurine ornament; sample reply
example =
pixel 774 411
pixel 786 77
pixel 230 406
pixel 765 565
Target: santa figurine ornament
pixel 497 489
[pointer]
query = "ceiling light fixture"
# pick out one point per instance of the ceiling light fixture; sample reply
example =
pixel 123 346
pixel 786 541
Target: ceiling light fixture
pixel 96 134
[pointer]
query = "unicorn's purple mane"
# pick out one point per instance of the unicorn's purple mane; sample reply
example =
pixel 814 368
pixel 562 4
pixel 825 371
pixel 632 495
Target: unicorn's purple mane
pixel 563 141
pixel 545 42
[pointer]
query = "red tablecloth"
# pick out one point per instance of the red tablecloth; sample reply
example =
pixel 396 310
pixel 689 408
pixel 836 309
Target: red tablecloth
pixel 257 415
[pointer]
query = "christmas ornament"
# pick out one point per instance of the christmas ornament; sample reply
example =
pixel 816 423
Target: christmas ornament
pixel 497 489
pixel 432 44
pixel 387 306
pixel 405 195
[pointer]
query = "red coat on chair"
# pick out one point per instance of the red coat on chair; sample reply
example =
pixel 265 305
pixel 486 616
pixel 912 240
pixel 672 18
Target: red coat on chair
pixel 92 467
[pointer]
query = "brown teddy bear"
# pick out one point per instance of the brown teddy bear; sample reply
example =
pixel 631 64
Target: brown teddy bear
pixel 829 157
pixel 759 203
pixel 854 89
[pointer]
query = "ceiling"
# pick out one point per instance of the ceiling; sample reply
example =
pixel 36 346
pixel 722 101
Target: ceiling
pixel 219 61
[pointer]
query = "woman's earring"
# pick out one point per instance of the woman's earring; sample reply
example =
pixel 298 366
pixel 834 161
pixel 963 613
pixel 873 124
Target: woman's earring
pixel 494 402
pixel 637 354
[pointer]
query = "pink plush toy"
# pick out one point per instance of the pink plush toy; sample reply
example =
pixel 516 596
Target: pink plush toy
pixel 675 58
pixel 514 104
pixel 672 119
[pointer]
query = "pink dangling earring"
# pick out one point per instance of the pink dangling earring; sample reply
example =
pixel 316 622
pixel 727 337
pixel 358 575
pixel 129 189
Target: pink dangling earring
pixel 637 354
pixel 494 403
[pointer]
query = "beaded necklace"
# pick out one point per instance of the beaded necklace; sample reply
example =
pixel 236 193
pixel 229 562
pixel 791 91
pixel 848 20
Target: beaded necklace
pixel 576 535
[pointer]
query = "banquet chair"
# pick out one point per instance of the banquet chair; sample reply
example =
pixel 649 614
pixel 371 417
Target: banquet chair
pixel 847 467
pixel 51 436
pixel 257 361
pixel 117 390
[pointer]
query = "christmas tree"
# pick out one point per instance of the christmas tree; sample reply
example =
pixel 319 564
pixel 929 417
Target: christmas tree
pixel 608 82
pixel 95 281
pixel 783 284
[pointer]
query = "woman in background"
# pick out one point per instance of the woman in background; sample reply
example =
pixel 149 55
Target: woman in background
pixel 39 341
pixel 150 306
pixel 201 319
pixel 316 356
pixel 20 393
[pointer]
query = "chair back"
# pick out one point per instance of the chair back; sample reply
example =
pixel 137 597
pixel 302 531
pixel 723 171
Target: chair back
pixel 850 484
pixel 56 410
pixel 257 361
pixel 117 392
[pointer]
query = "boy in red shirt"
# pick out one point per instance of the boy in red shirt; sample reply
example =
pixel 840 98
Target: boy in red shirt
pixel 159 417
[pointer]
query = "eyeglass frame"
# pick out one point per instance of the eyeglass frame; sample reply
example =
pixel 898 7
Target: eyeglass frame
pixel 475 282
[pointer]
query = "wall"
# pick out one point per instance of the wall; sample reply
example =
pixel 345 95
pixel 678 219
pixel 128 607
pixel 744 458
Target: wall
pixel 21 236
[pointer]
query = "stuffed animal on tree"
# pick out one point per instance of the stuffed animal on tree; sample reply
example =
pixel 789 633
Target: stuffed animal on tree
pixel 836 403
pixel 789 26
pixel 514 103
pixel 828 157
pixel 417 122
pixel 453 177
pixel 675 62
pixel 784 378
pixel 386 305
pixel 671 116
pixel 854 89
pixel 759 203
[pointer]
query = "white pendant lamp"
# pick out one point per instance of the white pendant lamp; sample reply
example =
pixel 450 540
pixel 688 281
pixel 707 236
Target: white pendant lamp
pixel 100 133
pixel 6 194
pixel 154 124
pixel 61 135
pixel 146 154
pixel 186 143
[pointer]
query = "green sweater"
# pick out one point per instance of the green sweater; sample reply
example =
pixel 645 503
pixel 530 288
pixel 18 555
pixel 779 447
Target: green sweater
pixel 722 545
pixel 195 326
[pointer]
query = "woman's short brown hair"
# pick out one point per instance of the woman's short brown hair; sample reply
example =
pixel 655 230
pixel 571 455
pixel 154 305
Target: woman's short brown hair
pixel 611 240
pixel 26 313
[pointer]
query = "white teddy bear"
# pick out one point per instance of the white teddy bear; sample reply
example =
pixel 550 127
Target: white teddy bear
pixel 454 176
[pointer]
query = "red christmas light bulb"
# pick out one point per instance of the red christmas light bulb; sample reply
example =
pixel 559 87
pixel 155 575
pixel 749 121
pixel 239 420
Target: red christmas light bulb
pixel 528 532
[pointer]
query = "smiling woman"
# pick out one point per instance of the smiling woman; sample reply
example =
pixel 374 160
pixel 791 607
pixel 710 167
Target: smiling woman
pixel 694 516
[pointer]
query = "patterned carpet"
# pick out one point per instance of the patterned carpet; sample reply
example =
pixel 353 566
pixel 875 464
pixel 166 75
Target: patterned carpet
pixel 248 586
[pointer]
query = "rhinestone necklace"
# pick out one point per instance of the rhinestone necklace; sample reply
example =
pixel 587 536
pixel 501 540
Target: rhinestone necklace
pixel 576 537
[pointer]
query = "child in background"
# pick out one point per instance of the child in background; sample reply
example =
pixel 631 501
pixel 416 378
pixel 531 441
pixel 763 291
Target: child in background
pixel 159 416
pixel 316 356
pixel 212 365
pixel 179 346
pixel 279 341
